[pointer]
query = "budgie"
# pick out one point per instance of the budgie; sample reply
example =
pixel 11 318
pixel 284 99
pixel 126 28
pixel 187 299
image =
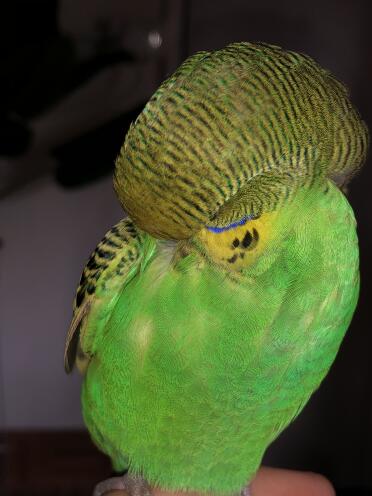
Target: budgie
pixel 204 321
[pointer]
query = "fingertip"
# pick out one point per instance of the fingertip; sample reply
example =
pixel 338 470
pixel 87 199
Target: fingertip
pixel 323 486
pixel 282 482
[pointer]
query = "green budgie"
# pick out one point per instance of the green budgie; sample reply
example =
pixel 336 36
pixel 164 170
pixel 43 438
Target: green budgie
pixel 205 320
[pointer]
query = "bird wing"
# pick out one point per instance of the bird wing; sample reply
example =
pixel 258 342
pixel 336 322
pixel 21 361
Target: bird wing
pixel 122 253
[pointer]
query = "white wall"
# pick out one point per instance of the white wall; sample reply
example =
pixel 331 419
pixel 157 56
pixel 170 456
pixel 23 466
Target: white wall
pixel 47 234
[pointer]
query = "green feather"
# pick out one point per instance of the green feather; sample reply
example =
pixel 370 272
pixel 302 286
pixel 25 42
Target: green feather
pixel 197 374
pixel 207 320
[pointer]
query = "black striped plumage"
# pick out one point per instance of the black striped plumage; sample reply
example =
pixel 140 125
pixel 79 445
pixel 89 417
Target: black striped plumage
pixel 229 116
pixel 116 243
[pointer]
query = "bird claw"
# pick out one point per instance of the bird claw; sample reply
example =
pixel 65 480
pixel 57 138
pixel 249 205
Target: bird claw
pixel 134 486
pixel 131 484
pixel 246 492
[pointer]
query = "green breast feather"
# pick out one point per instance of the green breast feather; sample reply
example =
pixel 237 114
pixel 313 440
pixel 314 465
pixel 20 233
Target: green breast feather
pixel 205 321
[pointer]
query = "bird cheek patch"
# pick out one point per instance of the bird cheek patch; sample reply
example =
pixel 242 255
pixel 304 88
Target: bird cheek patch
pixel 238 247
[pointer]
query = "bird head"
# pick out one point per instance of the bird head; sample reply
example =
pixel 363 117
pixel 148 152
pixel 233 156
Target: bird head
pixel 230 135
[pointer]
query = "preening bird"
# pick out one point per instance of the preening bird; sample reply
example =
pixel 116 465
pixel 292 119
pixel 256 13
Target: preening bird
pixel 204 321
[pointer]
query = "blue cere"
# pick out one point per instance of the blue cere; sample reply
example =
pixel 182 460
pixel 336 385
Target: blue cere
pixel 240 222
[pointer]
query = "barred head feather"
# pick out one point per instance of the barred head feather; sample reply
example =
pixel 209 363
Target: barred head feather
pixel 231 132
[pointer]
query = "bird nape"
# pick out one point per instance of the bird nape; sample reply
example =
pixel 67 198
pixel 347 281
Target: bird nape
pixel 205 320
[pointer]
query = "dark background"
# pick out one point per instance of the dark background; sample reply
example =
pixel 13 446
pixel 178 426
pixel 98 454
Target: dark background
pixel 73 75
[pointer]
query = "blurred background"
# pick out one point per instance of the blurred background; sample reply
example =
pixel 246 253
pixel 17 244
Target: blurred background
pixel 74 74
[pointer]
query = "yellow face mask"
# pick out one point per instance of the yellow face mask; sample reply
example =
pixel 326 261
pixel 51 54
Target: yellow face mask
pixel 239 244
